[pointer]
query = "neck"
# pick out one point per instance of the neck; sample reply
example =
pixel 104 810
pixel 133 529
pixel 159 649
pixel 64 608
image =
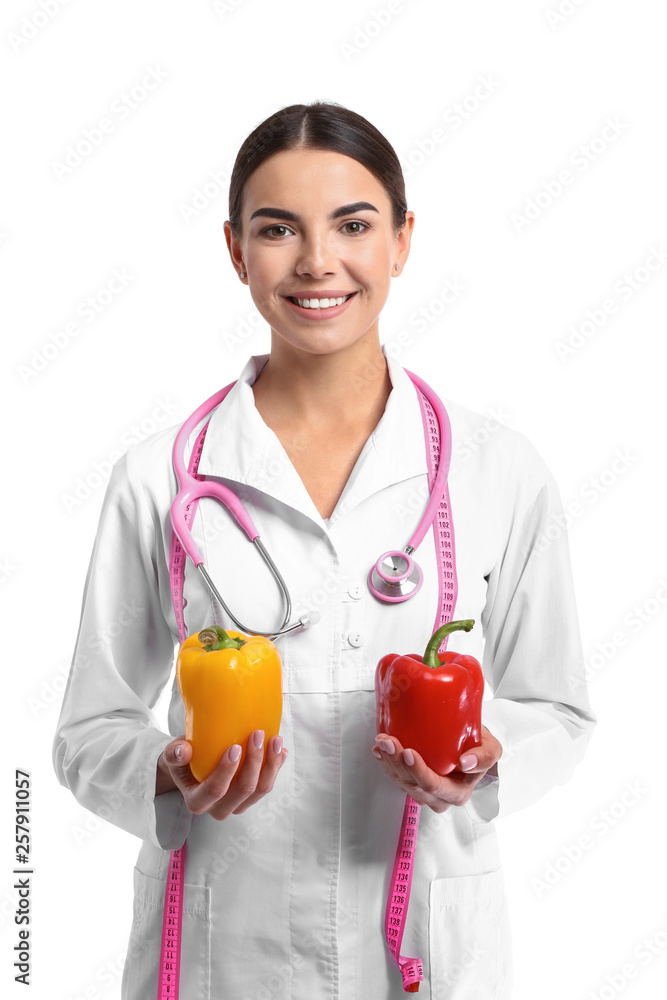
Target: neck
pixel 337 389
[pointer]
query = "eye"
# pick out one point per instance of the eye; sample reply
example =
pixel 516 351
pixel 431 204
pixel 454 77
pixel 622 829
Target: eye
pixel 356 222
pixel 269 229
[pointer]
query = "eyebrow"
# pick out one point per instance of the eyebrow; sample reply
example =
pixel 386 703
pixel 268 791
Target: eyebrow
pixel 282 213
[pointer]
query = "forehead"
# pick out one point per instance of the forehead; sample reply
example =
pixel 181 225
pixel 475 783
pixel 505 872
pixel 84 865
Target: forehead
pixel 308 177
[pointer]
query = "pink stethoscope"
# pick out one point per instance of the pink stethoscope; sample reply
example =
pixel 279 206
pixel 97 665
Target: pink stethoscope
pixel 394 578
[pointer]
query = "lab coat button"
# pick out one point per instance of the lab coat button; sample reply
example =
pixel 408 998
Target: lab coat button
pixel 356 591
pixel 356 638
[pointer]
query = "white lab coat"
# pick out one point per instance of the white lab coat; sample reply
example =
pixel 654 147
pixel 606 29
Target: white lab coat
pixel 287 899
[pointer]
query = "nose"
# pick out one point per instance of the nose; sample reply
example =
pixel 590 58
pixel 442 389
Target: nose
pixel 316 256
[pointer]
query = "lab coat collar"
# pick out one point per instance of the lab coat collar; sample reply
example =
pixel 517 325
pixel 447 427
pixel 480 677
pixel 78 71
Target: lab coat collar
pixel 239 446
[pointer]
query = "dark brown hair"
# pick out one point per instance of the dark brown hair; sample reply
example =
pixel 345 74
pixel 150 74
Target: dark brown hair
pixel 320 125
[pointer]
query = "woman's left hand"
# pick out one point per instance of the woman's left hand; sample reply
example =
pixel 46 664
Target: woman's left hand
pixel 429 788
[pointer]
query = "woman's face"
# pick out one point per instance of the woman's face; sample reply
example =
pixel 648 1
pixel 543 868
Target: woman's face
pixel 306 235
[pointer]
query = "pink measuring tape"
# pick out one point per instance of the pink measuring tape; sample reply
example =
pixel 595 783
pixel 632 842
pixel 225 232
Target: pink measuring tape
pixel 172 917
pixel 412 969
pixel 172 921
pixel 401 881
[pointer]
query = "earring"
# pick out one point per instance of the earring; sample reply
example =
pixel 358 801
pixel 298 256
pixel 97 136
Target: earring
pixel 397 267
pixel 243 274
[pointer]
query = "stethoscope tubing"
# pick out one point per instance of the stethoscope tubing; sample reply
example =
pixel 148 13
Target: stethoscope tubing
pixel 283 587
pixel 191 489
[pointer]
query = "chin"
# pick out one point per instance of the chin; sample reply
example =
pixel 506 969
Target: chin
pixel 317 342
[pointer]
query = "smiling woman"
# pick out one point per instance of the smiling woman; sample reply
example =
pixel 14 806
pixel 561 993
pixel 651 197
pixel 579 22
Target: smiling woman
pixel 328 442
pixel 319 273
pixel 334 235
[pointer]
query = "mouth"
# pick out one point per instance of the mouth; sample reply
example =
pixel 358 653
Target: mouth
pixel 319 308
pixel 317 303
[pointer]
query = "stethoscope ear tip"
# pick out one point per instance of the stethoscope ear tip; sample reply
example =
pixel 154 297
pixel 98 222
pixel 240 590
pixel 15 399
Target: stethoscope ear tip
pixel 310 619
pixel 305 621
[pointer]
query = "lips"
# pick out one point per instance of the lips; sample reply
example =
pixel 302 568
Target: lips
pixel 322 293
pixel 317 312
pixel 304 296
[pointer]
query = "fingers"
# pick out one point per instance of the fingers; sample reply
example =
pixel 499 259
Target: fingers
pixel 173 766
pixel 178 756
pixel 418 780
pixel 392 758
pixel 482 758
pixel 259 784
pixel 201 797
pixel 233 787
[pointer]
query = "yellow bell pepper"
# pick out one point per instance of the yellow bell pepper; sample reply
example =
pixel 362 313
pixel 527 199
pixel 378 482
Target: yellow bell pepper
pixel 231 684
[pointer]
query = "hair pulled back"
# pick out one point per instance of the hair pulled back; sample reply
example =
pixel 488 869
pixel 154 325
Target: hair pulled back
pixel 319 125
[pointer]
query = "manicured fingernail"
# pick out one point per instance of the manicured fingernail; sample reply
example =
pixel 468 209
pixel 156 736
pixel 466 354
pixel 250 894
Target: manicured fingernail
pixel 178 752
pixel 376 753
pixel 234 753
pixel 386 745
pixel 408 757
pixel 277 744
pixel 468 762
pixel 258 738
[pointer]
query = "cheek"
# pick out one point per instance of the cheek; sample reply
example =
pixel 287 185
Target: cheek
pixel 267 265
pixel 261 302
pixel 374 258
pixel 266 278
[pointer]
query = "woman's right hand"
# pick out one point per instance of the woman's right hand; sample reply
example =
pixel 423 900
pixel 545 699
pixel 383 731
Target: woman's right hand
pixel 224 792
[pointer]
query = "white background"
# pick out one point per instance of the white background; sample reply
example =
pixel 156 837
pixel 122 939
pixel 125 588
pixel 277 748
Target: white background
pixel 176 333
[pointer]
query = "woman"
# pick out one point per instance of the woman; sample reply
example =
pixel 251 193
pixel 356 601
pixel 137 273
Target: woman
pixel 289 861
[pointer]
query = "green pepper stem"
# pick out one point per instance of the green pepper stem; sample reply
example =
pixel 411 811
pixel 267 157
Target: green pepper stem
pixel 431 652
pixel 214 638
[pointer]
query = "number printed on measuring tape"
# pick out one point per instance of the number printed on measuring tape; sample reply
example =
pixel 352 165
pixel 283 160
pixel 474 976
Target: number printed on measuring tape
pixel 172 920
pixel 442 527
pixel 170 951
pixel 412 969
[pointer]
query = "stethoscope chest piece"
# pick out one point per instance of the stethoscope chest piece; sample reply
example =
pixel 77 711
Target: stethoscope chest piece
pixel 395 577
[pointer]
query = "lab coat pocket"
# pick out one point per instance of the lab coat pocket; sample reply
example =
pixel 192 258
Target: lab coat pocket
pixel 140 975
pixel 470 944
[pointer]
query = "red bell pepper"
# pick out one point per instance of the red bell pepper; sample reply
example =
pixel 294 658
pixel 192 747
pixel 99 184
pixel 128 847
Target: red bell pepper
pixel 432 705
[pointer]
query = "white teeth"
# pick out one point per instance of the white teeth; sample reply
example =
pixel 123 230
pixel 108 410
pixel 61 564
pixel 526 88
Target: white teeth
pixel 322 303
